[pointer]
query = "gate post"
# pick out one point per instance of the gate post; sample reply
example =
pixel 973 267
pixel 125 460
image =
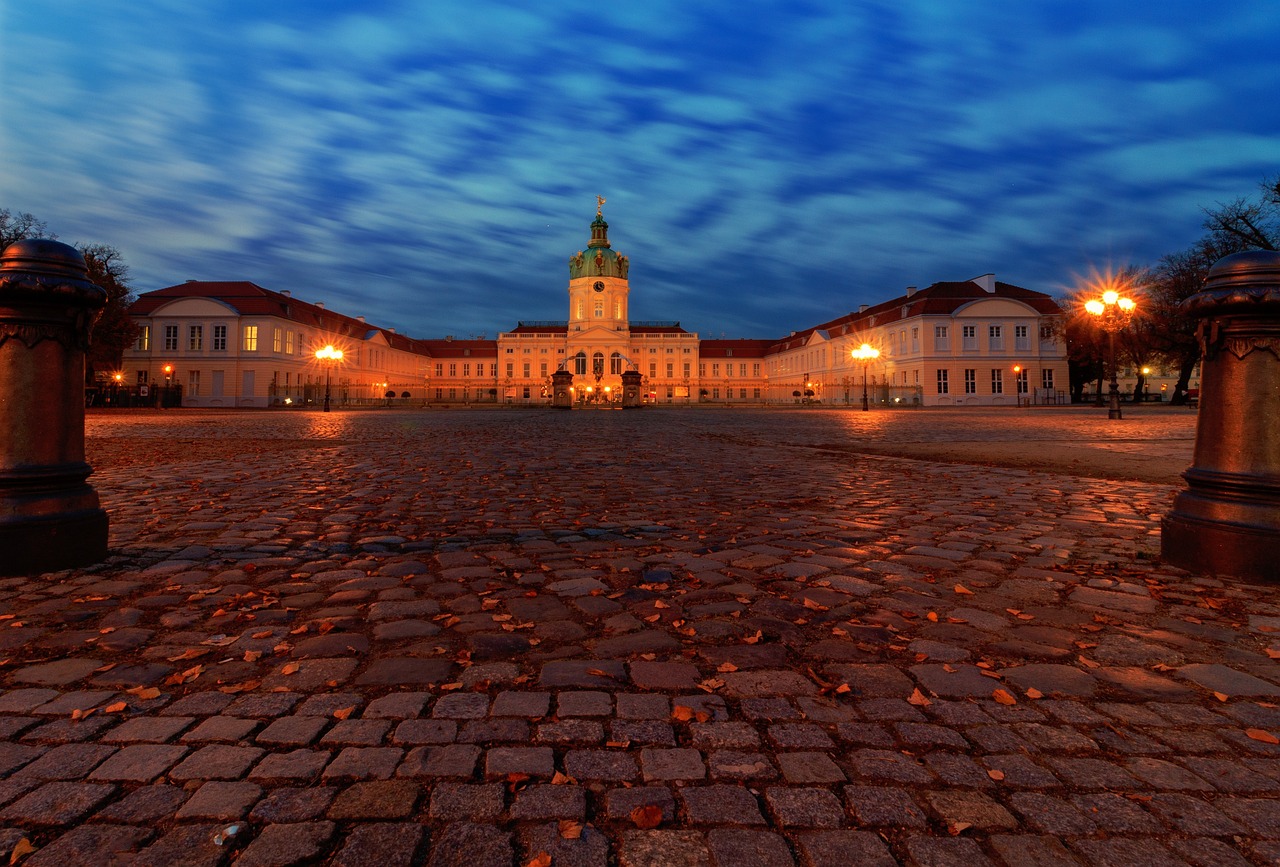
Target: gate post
pixel 1227 521
pixel 50 517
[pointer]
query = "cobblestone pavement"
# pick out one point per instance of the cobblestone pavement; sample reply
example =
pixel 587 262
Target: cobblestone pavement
pixel 650 638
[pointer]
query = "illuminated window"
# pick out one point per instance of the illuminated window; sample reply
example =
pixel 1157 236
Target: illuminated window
pixel 251 338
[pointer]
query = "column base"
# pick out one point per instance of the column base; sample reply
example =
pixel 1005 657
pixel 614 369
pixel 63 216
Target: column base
pixel 32 546
pixel 1220 548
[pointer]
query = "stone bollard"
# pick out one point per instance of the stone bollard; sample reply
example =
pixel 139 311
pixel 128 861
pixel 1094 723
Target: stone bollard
pixel 561 396
pixel 1227 521
pixel 50 517
pixel 631 389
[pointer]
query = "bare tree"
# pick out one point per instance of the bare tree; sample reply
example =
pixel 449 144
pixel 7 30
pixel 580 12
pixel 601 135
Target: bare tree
pixel 114 330
pixel 1246 224
pixel 15 227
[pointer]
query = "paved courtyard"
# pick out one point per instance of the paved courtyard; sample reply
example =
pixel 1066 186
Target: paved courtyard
pixel 639 638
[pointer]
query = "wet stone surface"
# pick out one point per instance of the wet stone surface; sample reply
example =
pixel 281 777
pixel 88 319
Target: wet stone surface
pixel 686 638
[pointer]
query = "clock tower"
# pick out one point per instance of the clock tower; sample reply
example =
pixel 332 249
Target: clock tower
pixel 598 287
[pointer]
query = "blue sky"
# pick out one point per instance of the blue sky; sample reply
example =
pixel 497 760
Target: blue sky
pixel 767 165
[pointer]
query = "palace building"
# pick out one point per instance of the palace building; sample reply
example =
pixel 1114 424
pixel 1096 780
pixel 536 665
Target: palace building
pixel 236 344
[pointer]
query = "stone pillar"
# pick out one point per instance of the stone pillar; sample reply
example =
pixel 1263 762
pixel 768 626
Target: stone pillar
pixel 631 390
pixel 50 517
pixel 561 396
pixel 1227 521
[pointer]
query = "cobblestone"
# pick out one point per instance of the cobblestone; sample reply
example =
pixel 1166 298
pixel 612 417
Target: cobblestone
pixel 784 660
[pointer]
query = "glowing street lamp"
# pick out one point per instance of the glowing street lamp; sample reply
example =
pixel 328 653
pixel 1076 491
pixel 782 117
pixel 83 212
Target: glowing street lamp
pixel 328 356
pixel 865 354
pixel 1113 312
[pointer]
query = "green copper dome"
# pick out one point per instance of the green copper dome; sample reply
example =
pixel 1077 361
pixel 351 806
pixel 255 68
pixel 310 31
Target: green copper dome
pixel 600 260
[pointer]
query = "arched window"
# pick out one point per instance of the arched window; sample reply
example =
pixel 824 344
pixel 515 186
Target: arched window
pixel 617 309
pixel 580 363
pixel 615 363
pixel 579 316
pixel 597 363
pixel 599 309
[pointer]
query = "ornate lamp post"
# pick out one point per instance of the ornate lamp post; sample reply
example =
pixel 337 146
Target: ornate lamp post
pixel 328 355
pixel 865 354
pixel 1113 312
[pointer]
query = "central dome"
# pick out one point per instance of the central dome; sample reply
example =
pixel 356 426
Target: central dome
pixel 600 260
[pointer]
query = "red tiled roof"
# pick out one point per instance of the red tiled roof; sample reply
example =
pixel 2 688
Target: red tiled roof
pixel 744 348
pixel 250 299
pixel 940 299
pixel 459 348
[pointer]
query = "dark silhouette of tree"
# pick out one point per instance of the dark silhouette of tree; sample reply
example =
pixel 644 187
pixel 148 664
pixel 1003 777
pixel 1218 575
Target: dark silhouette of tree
pixel 114 330
pixel 1246 224
pixel 15 227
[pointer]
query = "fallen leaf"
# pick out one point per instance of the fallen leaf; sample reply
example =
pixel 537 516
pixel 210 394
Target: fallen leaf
pixel 963 591
pixel 144 692
pixel 260 635
pixel 753 639
pixel 816 606
pixel 449 687
pixel 20 850
pixel 542 859
pixel 996 775
pixel 1034 693
pixel 570 829
pixel 1274 653
pixel 711 684
pixel 78 714
pixel 252 655
pixel 932 617
pixel 290 668
pixel 560 779
pixel 233 688
pixel 1003 697
pixel 189 653
pixel 725 667
pixel 1221 696
pixel 599 672
pixel 680 713
pixel 918 698
pixel 115 707
pixel 1265 737
pixel 954 828
pixel 646 817
pixel 344 712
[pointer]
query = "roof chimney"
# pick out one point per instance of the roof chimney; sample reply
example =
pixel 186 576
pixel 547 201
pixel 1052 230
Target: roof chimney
pixel 862 308
pixel 911 290
pixel 286 293
pixel 191 281
pixel 986 281
pixel 360 319
pixel 320 304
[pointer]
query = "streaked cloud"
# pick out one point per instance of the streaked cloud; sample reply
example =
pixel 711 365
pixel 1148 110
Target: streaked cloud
pixel 433 165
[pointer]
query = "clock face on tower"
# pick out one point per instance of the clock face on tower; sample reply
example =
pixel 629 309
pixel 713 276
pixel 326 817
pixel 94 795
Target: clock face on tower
pixel 599 286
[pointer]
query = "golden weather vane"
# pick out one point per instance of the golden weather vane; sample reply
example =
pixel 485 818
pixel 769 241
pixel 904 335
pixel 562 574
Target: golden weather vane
pixel 600 200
